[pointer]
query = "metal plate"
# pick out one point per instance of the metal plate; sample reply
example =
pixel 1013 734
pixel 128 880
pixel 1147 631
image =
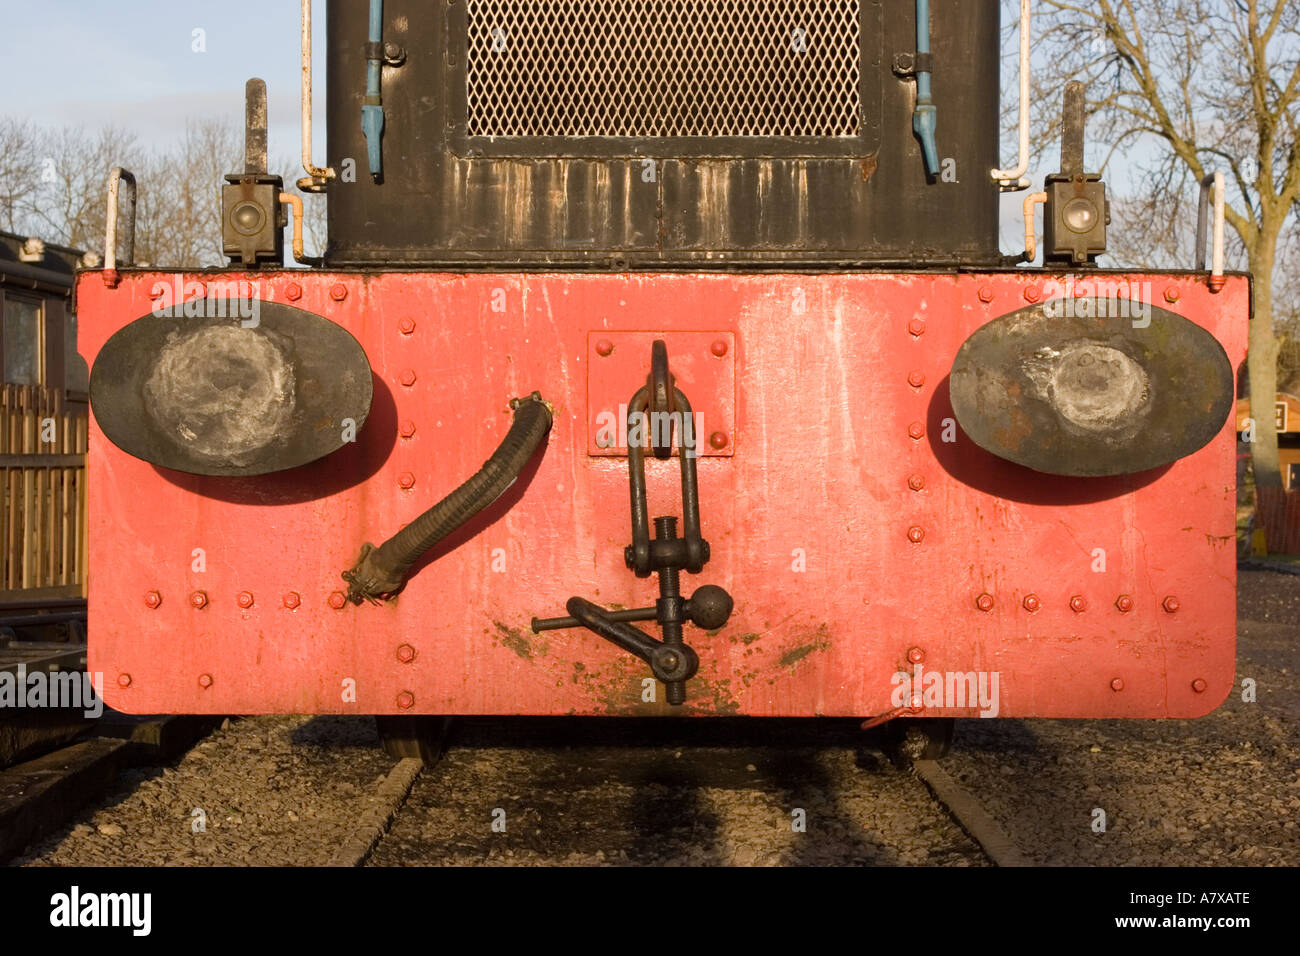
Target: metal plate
pixel 214 394
pixel 1073 387
pixel 810 524
pixel 618 363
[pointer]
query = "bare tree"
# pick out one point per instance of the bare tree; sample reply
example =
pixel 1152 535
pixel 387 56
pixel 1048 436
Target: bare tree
pixel 1205 84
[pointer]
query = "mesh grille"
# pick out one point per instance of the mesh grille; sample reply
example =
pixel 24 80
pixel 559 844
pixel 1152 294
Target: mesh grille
pixel 649 68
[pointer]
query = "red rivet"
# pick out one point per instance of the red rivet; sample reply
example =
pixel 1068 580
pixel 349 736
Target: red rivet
pixel 123 680
pixel 245 599
pixel 198 600
pixel 1032 294
pixel 916 430
pixel 719 347
pixel 293 292
pixel 292 600
pixel 718 440
pixel 916 327
pixel 406 700
pixel 1031 603
pixel 152 600
pixel 985 294
pixel 407 429
pixel 984 602
pixel 915 534
pixel 916 379
pixel 406 326
pixel 1077 604
pixel 338 292
pixel 205 681
pixel 916 482
pixel 406 480
pixel 1199 685
pixel 1124 603
pixel 338 600
pixel 1171 293
pixel 1170 604
pixel 915 655
pixel 407 377
pixel 1117 684
pixel 405 653
pixel 604 347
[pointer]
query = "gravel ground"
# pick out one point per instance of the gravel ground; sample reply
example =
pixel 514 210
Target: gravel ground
pixel 275 791
pixel 1222 790
pixel 669 793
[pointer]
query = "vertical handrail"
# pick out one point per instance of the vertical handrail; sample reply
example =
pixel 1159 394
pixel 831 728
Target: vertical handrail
pixel 115 179
pixel 1012 178
pixel 1212 182
pixel 316 175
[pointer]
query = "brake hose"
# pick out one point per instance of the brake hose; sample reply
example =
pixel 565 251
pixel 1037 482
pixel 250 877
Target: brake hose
pixel 380 572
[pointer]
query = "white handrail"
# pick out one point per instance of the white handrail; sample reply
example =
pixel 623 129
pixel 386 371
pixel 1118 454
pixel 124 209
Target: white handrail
pixel 316 175
pixel 115 179
pixel 1013 178
pixel 1214 182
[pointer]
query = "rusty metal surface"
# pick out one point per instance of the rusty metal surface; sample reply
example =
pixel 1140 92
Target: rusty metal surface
pixel 860 531
pixel 1089 393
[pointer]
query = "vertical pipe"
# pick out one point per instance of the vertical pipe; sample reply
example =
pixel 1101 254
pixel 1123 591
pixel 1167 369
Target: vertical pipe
pixel 372 109
pixel 925 116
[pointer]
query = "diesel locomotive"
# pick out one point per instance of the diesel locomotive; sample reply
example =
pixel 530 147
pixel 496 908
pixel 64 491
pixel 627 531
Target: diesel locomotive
pixel 663 360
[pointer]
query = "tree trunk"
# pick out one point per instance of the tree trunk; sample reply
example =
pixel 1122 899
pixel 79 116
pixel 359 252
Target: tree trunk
pixel 1261 367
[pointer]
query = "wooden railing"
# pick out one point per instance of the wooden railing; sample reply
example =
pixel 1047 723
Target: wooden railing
pixel 43 519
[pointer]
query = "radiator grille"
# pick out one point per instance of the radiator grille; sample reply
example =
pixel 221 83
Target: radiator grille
pixel 656 68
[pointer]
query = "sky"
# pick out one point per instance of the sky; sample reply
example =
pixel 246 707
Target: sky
pixel 136 64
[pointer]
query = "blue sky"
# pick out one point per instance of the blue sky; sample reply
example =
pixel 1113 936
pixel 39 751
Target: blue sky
pixel 132 64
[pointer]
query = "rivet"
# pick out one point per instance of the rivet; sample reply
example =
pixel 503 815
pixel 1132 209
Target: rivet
pixel 152 600
pixel 338 600
pixel 407 429
pixel 916 482
pixel 245 599
pixel 405 653
pixel 406 700
pixel 604 347
pixel 1171 293
pixel 985 294
pixel 719 347
pixel 916 704
pixel 1077 604
pixel 338 292
pixel 1117 684
pixel 915 534
pixel 293 292
pixel 1031 603
pixel 718 440
pixel 292 600
pixel 984 602
pixel 406 480
pixel 1032 294
pixel 916 430
pixel 407 377
pixel 916 327
pixel 915 655
pixel 198 600
pixel 1124 603
pixel 123 680
pixel 1199 685
pixel 916 378
pixel 1170 604
pixel 205 681
pixel 406 326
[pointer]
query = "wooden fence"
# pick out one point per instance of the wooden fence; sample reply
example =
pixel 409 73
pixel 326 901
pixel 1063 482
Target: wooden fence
pixel 1278 513
pixel 43 520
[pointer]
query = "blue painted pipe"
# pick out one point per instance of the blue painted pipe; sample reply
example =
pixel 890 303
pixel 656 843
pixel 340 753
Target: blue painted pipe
pixel 372 109
pixel 926 115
